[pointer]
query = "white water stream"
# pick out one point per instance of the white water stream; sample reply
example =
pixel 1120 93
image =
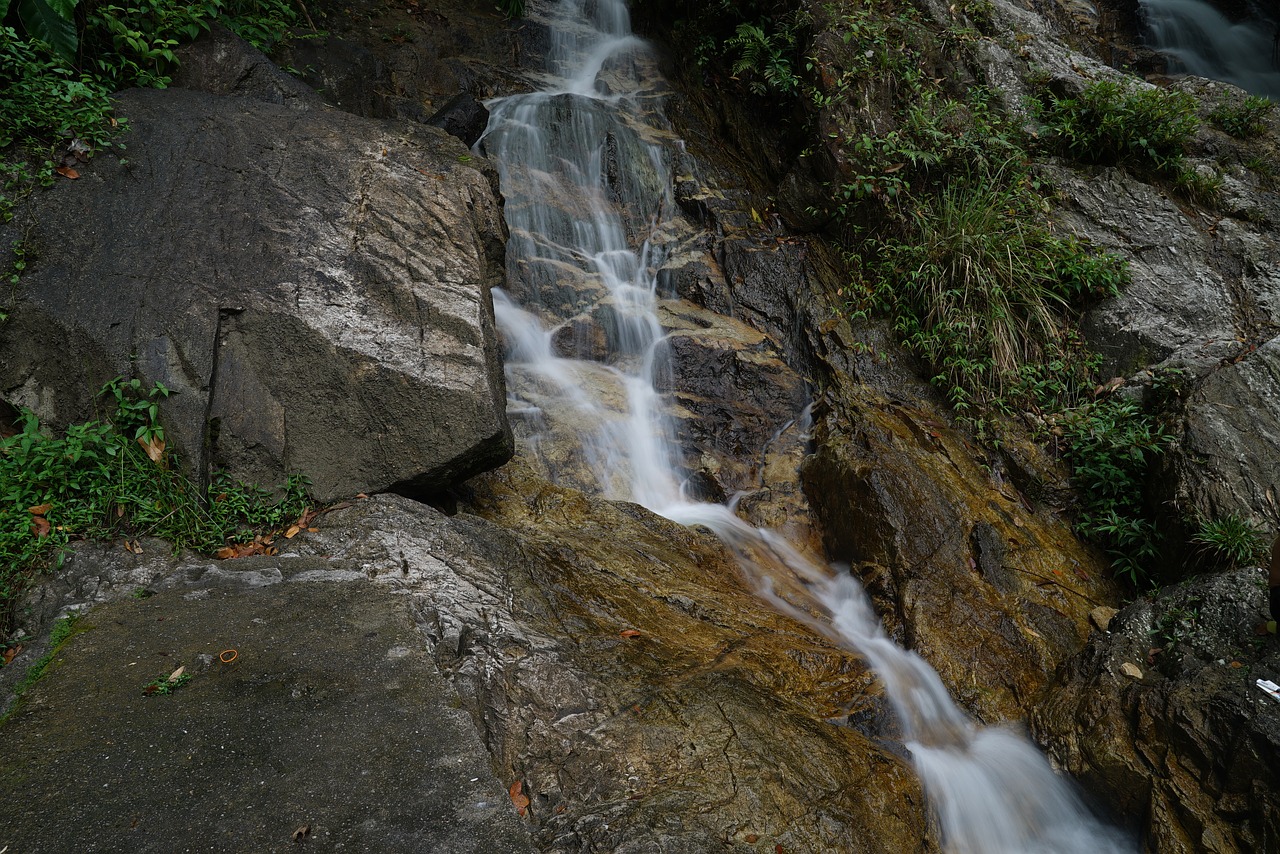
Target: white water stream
pixel 1198 39
pixel 578 160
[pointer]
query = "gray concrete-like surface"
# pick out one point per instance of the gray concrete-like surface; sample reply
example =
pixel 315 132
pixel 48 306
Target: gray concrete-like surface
pixel 332 717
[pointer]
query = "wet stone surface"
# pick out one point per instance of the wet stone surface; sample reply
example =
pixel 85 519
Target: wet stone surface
pixel 331 724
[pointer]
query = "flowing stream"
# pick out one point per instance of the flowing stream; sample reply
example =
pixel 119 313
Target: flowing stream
pixel 1198 39
pixel 585 168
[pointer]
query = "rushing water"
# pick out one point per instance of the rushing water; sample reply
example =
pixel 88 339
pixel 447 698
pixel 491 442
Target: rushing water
pixel 1198 39
pixel 585 168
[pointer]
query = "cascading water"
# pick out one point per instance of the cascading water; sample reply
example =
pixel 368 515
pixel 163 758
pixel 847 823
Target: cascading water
pixel 1198 39
pixel 575 209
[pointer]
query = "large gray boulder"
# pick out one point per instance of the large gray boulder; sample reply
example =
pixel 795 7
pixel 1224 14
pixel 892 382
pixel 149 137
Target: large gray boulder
pixel 1228 459
pixel 313 286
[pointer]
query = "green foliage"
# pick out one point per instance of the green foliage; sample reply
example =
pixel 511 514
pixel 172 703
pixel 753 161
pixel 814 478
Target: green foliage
pixel 50 23
pixel 60 63
pixel 1244 120
pixel 1111 123
pixel 43 98
pixel 1177 626
pixel 1111 444
pixel 756 41
pixel 979 288
pixel 1147 129
pixel 99 481
pixel 63 630
pixel 764 58
pixel 1230 541
pixel 132 45
pixel 512 8
pixel 165 684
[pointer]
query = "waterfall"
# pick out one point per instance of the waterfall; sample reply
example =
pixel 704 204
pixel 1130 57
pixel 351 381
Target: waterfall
pixel 585 168
pixel 1198 39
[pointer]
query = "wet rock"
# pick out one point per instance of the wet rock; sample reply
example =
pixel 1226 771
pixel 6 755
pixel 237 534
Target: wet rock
pixel 1101 616
pixel 618 665
pixel 992 592
pixel 1189 752
pixel 1228 459
pixel 340 325
pixel 1179 305
pixel 313 712
pixel 462 116
pixel 222 63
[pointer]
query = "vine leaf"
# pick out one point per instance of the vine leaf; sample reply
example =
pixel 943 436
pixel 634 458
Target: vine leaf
pixel 51 25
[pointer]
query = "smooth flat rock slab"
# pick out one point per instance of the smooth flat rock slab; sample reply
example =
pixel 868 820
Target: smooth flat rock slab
pixel 332 717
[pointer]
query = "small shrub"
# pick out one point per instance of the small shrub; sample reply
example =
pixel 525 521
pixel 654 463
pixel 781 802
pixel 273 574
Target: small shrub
pixel 107 479
pixel 1177 626
pixel 1110 123
pixel 765 59
pixel 1111 445
pixel 1244 120
pixel 979 289
pixel 1230 541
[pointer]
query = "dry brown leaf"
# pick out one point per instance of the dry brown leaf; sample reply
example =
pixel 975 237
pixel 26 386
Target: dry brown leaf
pixel 133 546
pixel 518 798
pixel 301 833
pixel 173 677
pixel 11 653
pixel 154 448
pixel 292 532
pixel 67 172
pixel 40 527
pixel 629 633
pixel 361 495
pixel 225 553
pixel 40 509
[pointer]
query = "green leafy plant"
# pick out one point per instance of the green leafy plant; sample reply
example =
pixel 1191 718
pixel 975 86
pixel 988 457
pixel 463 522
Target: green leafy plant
pixel 512 8
pixel 1243 120
pixel 52 23
pixel 164 685
pixel 63 630
pixel 1177 626
pixel 978 289
pixel 115 478
pixel 1114 123
pixel 1111 444
pixel 1230 541
pixel 764 58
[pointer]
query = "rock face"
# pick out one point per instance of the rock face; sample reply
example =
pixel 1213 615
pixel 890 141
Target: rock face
pixel 313 288
pixel 1188 749
pixel 313 714
pixel 622 670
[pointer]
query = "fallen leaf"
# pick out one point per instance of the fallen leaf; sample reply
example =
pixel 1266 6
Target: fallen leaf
pixel 292 532
pixel 154 448
pixel 518 798
pixel 301 833
pixel 629 633
pixel 752 839
pixel 11 653
pixel 133 546
pixel 67 172
pixel 1236 664
pixel 361 495
pixel 40 527
pixel 173 677
pixel 225 553
pixel 40 509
